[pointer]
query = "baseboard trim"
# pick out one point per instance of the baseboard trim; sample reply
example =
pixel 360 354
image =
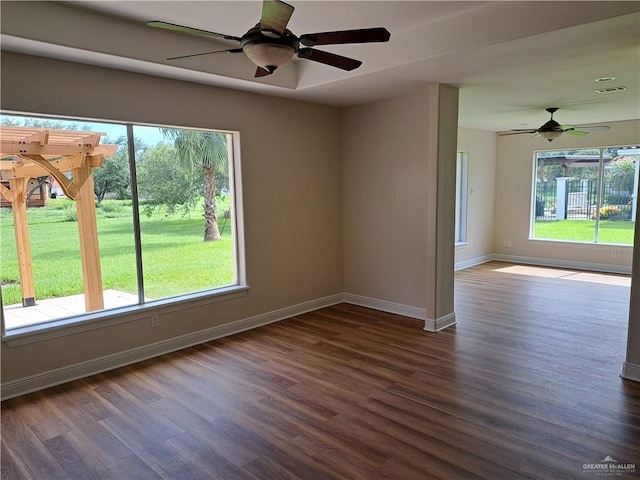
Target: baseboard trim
pixel 631 371
pixel 386 306
pixel 438 324
pixel 73 372
pixel 473 262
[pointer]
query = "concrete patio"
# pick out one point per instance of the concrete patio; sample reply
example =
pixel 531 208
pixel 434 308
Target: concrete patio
pixel 16 316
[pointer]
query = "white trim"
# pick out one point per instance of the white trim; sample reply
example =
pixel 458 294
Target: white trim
pixel 438 324
pixel 72 372
pixel 631 371
pixel 550 262
pixel 386 306
pixel 472 262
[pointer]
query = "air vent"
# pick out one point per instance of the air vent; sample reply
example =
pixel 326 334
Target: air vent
pixel 611 89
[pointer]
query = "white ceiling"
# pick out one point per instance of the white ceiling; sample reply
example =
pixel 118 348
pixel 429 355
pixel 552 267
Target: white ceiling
pixel 510 59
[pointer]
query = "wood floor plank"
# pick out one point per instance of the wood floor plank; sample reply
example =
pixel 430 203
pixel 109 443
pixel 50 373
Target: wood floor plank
pixel 69 452
pixel 41 418
pixel 214 466
pixel 132 467
pixel 98 443
pixel 283 452
pixel 525 386
pixel 27 449
pixel 11 468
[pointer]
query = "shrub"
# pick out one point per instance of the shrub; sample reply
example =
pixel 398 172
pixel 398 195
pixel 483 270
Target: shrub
pixel 613 212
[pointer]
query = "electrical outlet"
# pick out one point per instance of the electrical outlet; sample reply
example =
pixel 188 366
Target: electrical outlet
pixel 155 321
pixel 614 253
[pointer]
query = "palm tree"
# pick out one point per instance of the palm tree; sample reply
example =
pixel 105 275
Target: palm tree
pixel 207 150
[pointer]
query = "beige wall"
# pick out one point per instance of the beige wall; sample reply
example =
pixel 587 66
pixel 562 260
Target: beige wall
pixel 398 203
pixel 291 181
pixel 384 174
pixel 480 147
pixel 513 185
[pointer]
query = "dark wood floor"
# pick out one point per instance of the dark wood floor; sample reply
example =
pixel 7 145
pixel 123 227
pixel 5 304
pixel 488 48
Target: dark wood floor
pixel 525 386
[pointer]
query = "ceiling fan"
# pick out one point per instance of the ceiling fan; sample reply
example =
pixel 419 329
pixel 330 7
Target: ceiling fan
pixel 552 129
pixel 270 44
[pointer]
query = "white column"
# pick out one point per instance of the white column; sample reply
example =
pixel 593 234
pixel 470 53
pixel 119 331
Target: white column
pixel 441 196
pixel 631 367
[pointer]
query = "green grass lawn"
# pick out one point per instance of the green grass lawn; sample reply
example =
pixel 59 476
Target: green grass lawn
pixel 175 259
pixel 618 232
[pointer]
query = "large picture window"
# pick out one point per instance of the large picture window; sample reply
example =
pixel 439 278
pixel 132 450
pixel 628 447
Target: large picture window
pixel 148 215
pixel 588 195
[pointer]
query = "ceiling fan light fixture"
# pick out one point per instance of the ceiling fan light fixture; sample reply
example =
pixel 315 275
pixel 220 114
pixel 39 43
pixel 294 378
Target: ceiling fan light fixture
pixel 269 55
pixel 550 135
pixel 269 44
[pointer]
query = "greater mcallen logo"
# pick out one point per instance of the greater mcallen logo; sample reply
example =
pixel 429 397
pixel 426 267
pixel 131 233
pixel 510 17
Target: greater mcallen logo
pixel 609 467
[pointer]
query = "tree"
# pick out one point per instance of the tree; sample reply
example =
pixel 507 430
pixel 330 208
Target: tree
pixel 622 171
pixel 163 182
pixel 113 176
pixel 208 151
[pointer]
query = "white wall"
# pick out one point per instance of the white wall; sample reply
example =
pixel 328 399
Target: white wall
pixel 513 187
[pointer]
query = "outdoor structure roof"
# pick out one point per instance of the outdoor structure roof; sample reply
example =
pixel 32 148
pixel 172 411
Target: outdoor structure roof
pixel 69 157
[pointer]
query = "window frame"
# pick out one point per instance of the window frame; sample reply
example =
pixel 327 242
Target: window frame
pixel 144 309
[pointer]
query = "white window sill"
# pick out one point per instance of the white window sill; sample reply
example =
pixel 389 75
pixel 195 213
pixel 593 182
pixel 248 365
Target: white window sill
pixel 90 321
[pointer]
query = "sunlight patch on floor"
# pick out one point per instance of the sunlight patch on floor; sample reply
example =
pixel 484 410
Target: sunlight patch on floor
pixel 579 276
pixel 607 279
pixel 536 271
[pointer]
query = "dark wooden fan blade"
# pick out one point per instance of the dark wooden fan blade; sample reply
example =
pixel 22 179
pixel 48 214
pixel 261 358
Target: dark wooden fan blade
pixel 261 72
pixel 365 35
pixel 275 16
pixel 327 58
pixel 230 50
pixel 189 30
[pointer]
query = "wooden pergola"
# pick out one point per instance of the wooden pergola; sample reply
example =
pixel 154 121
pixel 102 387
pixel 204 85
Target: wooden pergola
pixel 35 152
